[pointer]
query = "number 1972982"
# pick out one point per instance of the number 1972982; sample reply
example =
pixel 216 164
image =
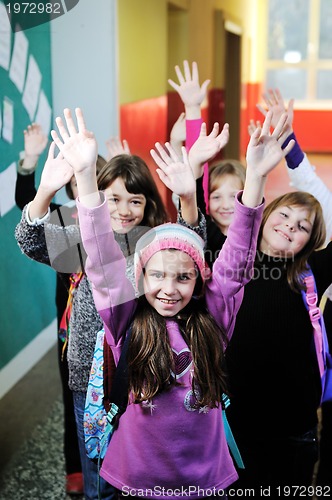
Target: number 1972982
pixel 304 491
pixel 34 8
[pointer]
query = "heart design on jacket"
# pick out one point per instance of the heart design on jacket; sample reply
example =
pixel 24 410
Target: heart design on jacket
pixel 182 361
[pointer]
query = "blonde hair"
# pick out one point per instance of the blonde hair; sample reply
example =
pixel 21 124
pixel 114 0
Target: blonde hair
pixel 225 167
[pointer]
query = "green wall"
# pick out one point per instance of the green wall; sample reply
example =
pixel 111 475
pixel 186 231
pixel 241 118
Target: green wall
pixel 27 289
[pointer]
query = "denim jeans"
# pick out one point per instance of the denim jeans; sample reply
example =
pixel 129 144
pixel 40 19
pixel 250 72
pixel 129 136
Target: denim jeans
pixel 89 468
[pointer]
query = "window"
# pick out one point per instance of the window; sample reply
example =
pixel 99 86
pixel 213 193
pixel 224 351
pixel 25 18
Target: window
pixel 299 51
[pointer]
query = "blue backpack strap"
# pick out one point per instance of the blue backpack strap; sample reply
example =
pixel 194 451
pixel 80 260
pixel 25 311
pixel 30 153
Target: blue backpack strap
pixel 229 435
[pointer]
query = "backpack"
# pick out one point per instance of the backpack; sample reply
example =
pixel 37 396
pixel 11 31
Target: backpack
pixel 324 357
pixel 98 423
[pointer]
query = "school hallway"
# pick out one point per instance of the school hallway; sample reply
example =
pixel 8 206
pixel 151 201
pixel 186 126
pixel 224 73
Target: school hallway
pixel 31 432
pixel 31 436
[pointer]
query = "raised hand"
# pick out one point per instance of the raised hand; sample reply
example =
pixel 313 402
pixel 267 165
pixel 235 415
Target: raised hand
pixel 274 102
pixel 174 172
pixel 115 147
pixel 253 125
pixel 264 151
pixel 56 173
pixel 35 141
pixel 189 89
pixel 207 147
pixel 79 147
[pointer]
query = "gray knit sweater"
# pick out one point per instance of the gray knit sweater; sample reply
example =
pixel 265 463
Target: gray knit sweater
pixel 52 244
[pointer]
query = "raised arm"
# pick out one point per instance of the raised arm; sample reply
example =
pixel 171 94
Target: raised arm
pixel 116 147
pixel 35 142
pixel 301 173
pixel 176 173
pixel 264 152
pixel 189 89
pixel 56 173
pixel 79 147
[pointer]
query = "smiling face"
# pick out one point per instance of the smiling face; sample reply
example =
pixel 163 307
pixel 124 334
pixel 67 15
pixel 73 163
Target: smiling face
pixel 126 209
pixel 222 201
pixel 286 231
pixel 169 281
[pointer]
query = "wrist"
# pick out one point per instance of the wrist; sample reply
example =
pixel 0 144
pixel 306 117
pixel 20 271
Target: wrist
pixel 29 162
pixel 193 112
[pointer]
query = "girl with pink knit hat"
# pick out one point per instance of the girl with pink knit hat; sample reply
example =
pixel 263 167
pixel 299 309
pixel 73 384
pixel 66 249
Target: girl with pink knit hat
pixel 170 442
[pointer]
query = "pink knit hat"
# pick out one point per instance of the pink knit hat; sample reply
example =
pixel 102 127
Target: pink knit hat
pixel 165 237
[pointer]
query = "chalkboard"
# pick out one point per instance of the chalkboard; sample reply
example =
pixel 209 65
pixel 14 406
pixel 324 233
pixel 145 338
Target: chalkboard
pixel 27 288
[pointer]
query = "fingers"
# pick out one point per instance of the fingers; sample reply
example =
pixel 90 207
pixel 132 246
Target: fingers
pixel 205 85
pixel 202 132
pixel 62 129
pixel 157 158
pixel 179 75
pixel 172 153
pixel 56 139
pixel 289 147
pixel 187 74
pixel 50 155
pixel 126 147
pixel 267 123
pixel 279 129
pixel 290 108
pixel 174 85
pixel 195 76
pixel 255 137
pixel 163 155
pixel 224 136
pixel 161 174
pixel 215 130
pixel 261 109
pixel 69 122
pixel 80 120
pixel 185 155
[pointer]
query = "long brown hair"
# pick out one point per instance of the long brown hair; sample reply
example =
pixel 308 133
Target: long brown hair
pixel 138 180
pixel 298 264
pixel 151 361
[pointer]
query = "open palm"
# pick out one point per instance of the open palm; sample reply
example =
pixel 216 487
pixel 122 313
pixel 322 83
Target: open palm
pixel 189 89
pixel 56 173
pixel 177 175
pixel 79 147
pixel 264 151
pixel 206 147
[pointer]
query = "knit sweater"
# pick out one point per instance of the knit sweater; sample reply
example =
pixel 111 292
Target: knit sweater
pixel 168 444
pixel 52 244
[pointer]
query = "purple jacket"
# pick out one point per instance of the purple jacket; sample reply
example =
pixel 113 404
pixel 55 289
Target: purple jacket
pixel 166 444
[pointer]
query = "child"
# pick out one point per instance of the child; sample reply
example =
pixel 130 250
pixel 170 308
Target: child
pixel 273 372
pixel 48 243
pixel 170 441
pixel 304 178
pixel 35 142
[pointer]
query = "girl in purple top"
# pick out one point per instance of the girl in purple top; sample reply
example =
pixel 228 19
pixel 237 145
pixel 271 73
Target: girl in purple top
pixel 170 442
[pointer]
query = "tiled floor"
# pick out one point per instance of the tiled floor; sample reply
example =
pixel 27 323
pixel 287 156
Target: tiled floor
pixel 21 408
